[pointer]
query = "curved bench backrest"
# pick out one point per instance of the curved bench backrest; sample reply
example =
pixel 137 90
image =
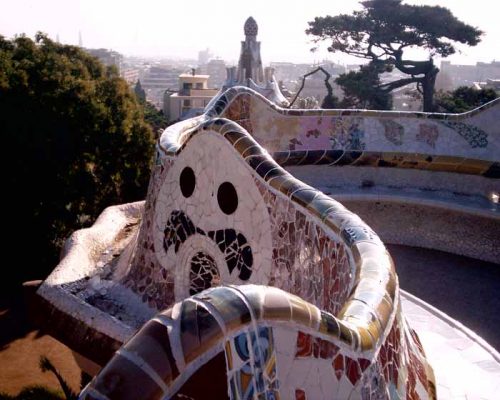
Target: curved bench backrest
pixel 467 143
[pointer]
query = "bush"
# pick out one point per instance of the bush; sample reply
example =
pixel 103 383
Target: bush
pixel 463 99
pixel 75 142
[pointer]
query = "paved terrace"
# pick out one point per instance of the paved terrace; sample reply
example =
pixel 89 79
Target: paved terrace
pixel 466 367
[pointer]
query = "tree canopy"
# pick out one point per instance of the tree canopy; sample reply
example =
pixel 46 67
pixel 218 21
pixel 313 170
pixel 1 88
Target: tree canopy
pixel 463 99
pixel 140 93
pixel 362 89
pixel 76 143
pixel 155 118
pixel 384 30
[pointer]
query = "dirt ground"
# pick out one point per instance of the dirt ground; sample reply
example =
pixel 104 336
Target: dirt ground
pixel 21 347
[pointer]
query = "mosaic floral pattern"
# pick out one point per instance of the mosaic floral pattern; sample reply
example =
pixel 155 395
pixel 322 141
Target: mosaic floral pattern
pixel 316 131
pixel 393 131
pixel 472 134
pixel 428 134
pixel 347 134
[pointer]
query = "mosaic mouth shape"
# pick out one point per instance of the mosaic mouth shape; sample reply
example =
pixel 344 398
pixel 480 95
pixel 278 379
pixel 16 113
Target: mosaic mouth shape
pixel 232 244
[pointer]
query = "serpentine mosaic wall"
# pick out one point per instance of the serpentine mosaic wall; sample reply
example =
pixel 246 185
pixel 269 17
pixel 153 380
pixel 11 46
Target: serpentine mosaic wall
pixel 256 342
pixel 220 211
pixel 467 143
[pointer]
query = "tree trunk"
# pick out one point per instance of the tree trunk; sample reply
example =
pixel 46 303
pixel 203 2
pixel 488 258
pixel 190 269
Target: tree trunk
pixel 428 83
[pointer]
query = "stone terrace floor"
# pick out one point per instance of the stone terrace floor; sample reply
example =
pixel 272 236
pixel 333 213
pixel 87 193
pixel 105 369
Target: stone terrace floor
pixel 466 367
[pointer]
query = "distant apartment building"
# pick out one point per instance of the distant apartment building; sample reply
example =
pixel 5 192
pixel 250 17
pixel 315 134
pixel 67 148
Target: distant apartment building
pixel 157 79
pixel 161 78
pixel 465 75
pixel 489 84
pixel 190 100
pixel 131 75
pixel 204 56
pixel 216 70
pixel 288 72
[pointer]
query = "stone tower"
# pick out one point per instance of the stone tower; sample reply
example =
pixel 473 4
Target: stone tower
pixel 250 72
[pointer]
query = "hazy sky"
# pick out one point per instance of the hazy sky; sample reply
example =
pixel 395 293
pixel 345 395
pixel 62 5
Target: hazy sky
pixel 182 28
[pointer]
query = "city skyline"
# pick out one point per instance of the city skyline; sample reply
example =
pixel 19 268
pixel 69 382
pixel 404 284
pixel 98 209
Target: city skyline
pixel 160 29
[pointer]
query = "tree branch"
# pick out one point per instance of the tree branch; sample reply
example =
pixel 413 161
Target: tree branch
pixel 327 83
pixel 389 87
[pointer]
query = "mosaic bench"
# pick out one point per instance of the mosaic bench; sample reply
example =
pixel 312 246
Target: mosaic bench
pixel 435 175
pixel 221 218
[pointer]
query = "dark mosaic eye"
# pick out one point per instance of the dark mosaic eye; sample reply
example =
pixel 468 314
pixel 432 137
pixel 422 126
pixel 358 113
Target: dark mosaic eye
pixel 227 198
pixel 187 181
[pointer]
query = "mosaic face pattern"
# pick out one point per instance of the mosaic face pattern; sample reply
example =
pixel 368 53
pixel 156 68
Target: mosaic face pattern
pixel 233 245
pixel 209 219
pixel 204 273
pixel 221 211
pixel 203 232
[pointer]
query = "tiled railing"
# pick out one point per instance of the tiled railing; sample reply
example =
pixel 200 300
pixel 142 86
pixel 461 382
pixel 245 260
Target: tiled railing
pixel 341 309
pixel 464 143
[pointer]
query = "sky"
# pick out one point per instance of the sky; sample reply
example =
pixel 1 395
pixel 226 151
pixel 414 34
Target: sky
pixel 180 29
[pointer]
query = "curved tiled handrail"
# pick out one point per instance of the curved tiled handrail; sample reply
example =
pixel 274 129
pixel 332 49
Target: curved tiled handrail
pixel 220 105
pixel 169 348
pixel 370 305
pixel 369 311
pixel 426 158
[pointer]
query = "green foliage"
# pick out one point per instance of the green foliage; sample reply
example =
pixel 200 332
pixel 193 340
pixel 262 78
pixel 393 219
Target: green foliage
pixel 155 118
pixel 330 102
pixel 369 33
pixel 385 29
pixel 362 89
pixel 463 99
pixel 139 92
pixel 76 142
